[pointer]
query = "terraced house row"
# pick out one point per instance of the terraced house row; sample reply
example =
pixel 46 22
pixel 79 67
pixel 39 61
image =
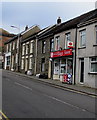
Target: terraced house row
pixel 64 48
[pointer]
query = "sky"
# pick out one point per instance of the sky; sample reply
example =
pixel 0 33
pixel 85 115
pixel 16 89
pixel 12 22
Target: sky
pixel 43 14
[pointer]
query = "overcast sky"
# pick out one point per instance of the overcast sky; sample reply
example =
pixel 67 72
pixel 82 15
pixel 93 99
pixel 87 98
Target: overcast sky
pixel 43 14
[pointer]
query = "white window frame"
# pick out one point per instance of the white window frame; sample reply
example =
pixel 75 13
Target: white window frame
pixel 67 38
pixel 10 47
pixel 18 43
pixel 27 48
pixel 23 49
pixel 92 62
pixel 7 48
pixel 16 59
pixel 30 62
pixel 96 34
pixel 43 46
pixel 31 47
pixel 52 44
pixel 82 35
pixel 13 45
pixel 57 43
pixel 22 63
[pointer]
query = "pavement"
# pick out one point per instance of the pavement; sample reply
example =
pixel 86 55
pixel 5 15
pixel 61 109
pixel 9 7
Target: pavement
pixel 57 83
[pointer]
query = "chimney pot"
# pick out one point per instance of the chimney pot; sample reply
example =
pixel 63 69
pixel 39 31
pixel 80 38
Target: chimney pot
pixel 58 20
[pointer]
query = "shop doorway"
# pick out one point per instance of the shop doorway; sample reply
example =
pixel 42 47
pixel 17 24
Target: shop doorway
pixel 82 70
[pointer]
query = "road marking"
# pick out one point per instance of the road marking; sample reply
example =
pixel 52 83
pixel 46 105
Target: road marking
pixel 74 91
pixel 3 115
pixel 23 86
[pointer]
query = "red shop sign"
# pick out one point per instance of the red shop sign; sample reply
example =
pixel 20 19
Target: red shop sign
pixel 61 53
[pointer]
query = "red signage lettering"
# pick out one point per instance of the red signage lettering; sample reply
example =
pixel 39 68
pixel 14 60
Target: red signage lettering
pixel 61 53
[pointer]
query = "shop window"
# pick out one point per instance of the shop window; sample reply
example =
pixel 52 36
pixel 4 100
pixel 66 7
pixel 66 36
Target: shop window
pixel 67 39
pixel 93 64
pixel 42 64
pixel 52 45
pixel 56 67
pixel 8 60
pixel 63 66
pixel 57 43
pixel 69 66
pixel 83 38
pixel 43 46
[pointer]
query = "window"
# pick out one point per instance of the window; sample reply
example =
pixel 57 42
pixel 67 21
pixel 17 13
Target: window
pixel 83 38
pixel 10 47
pixel 16 58
pixel 30 63
pixel 52 45
pixel 27 48
pixel 23 49
pixel 42 64
pixel 57 44
pixel 93 64
pixel 13 45
pixel 43 46
pixel 7 48
pixel 22 63
pixel 96 34
pixel 31 47
pixel 17 43
pixel 8 60
pixel 67 38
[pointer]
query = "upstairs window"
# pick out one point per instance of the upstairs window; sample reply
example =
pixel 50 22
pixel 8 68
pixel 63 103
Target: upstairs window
pixel 96 34
pixel 67 38
pixel 93 64
pixel 7 48
pixel 13 45
pixel 10 47
pixel 57 43
pixel 31 47
pixel 23 49
pixel 83 38
pixel 52 44
pixel 43 46
pixel 27 48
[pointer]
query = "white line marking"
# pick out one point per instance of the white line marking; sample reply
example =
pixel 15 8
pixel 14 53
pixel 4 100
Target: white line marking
pixel 23 86
pixel 63 102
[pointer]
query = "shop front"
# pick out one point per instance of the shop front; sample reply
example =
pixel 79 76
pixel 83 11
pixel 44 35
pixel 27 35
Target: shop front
pixel 62 63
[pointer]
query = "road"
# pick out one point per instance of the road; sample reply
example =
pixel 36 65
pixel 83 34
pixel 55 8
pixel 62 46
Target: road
pixel 23 97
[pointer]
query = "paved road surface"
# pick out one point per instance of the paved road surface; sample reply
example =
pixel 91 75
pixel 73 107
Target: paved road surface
pixel 23 97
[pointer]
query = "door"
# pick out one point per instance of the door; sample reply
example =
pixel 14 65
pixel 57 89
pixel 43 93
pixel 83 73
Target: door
pixel 82 70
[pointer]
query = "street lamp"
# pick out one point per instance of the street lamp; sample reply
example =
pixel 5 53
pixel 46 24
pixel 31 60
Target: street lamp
pixel 18 45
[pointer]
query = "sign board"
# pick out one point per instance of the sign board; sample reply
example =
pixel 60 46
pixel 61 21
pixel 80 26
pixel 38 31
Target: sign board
pixel 70 44
pixel 61 53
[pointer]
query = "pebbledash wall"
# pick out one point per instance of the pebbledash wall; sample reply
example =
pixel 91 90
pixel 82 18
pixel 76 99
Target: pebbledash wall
pixel 86 69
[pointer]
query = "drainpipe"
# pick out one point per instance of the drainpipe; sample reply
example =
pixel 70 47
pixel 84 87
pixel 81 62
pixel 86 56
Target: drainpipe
pixel 75 56
pixel 35 56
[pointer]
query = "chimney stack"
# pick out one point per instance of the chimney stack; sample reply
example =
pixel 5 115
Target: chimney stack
pixel 58 20
pixel 96 5
pixel 26 27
